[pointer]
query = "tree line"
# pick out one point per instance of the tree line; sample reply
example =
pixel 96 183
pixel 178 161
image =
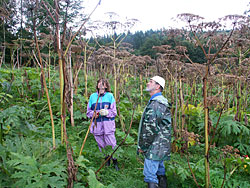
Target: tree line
pixel 16 33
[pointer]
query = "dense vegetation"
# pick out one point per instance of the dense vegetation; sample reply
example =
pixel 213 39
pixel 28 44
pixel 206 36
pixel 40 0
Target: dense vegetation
pixel 48 71
pixel 29 160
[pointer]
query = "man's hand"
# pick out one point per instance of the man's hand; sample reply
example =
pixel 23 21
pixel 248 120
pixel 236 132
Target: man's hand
pixel 104 112
pixel 140 151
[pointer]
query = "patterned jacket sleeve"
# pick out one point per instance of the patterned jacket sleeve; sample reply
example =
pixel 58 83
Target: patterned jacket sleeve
pixel 150 128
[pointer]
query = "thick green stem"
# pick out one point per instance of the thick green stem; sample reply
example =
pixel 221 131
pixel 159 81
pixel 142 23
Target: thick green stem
pixel 44 82
pixel 85 72
pixel 207 176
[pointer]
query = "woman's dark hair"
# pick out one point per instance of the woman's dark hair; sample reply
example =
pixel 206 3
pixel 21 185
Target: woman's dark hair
pixel 105 81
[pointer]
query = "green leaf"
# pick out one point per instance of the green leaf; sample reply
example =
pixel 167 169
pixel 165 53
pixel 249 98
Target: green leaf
pixel 183 173
pixel 245 130
pixel 235 129
pixel 80 161
pixel 226 130
pixel 93 182
pixel 27 160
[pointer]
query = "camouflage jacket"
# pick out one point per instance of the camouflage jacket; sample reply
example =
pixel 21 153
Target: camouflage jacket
pixel 154 134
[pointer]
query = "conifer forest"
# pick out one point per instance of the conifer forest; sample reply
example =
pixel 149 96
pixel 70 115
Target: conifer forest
pixel 51 56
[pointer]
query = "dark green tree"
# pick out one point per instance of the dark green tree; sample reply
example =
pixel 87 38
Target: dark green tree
pixel 146 48
pixel 8 22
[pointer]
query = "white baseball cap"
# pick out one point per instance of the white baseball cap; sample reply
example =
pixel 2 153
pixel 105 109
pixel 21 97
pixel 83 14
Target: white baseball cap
pixel 159 80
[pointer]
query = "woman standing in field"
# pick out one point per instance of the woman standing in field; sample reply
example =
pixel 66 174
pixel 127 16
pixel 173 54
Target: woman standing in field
pixel 103 125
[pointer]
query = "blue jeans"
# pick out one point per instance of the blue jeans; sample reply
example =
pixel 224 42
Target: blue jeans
pixel 152 169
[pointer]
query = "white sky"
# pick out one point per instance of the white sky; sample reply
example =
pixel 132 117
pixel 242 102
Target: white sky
pixel 157 14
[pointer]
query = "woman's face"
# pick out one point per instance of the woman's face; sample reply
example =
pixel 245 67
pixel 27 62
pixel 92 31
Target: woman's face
pixel 101 86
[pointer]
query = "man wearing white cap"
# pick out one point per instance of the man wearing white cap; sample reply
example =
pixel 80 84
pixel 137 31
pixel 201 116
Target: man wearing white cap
pixel 154 134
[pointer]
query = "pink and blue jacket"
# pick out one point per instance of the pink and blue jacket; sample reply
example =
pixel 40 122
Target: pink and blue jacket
pixel 103 124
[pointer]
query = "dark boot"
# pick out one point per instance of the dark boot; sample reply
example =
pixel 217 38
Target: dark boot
pixel 115 164
pixel 108 162
pixel 162 181
pixel 152 185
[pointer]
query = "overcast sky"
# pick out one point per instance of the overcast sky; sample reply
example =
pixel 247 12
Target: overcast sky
pixel 157 14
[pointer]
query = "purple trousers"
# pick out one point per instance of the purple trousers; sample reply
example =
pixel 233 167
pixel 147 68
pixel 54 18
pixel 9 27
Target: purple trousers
pixel 105 140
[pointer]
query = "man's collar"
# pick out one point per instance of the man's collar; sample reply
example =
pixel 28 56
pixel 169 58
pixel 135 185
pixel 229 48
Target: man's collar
pixel 155 95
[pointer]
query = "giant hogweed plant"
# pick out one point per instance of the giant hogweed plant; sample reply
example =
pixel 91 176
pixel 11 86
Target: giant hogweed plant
pixel 229 132
pixel 29 173
pixel 178 170
pixel 28 163
pixel 31 162
pixel 15 121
